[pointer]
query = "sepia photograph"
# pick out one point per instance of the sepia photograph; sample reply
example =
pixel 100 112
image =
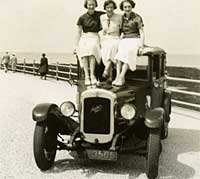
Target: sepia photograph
pixel 93 89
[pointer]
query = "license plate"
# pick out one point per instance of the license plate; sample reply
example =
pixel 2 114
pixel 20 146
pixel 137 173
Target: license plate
pixel 101 155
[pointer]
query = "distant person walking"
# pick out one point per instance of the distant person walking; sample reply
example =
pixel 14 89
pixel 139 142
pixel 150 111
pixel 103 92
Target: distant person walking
pixel 43 69
pixel 13 62
pixel 5 61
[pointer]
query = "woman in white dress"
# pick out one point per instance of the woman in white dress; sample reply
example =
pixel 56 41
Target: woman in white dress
pixel 87 43
pixel 132 40
pixel 111 26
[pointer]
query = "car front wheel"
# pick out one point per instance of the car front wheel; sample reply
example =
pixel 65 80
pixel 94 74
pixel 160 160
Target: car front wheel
pixel 153 153
pixel 44 145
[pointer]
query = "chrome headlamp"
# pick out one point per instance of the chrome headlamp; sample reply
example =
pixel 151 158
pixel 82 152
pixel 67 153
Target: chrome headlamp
pixel 67 108
pixel 128 111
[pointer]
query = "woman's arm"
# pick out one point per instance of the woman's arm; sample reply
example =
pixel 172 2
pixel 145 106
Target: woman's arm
pixel 142 35
pixel 77 37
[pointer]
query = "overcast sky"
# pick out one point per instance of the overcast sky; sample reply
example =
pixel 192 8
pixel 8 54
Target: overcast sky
pixel 49 25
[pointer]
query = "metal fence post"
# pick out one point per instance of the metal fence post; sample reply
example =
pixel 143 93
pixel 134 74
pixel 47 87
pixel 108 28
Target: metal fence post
pixel 24 69
pixel 57 76
pixel 70 72
pixel 34 67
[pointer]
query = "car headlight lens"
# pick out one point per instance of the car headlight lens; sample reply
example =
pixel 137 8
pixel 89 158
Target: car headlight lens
pixel 128 111
pixel 67 108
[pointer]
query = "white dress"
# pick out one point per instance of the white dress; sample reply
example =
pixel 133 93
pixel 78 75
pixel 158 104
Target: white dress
pixel 128 50
pixel 110 38
pixel 89 44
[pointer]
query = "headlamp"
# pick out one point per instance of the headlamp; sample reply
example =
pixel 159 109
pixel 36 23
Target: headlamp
pixel 67 108
pixel 128 111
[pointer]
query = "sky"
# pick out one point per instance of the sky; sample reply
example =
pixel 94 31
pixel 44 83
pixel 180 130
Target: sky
pixel 50 25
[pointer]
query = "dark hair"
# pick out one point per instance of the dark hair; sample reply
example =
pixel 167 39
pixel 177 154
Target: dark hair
pixel 43 54
pixel 129 1
pixel 86 1
pixel 107 2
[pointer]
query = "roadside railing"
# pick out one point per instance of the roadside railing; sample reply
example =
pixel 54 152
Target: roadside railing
pixel 185 96
pixel 67 72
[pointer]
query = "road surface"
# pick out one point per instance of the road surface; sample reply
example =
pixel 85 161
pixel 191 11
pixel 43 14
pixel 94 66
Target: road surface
pixel 19 93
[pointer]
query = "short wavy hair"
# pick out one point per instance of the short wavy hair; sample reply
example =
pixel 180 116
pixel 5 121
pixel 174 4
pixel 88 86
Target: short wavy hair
pixel 107 2
pixel 86 1
pixel 129 1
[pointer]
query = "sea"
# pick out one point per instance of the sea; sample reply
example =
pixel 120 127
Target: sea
pixel 180 60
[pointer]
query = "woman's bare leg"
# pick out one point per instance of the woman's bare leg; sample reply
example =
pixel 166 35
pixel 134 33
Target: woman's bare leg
pixel 121 78
pixel 125 68
pixel 92 63
pixel 107 69
pixel 85 61
pixel 118 71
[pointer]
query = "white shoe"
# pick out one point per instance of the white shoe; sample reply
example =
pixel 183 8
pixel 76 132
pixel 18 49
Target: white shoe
pixel 93 80
pixel 105 74
pixel 115 81
pixel 120 82
pixel 87 82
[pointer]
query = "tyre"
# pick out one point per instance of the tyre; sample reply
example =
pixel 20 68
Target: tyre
pixel 164 132
pixel 153 153
pixel 164 127
pixel 44 146
pixel 167 107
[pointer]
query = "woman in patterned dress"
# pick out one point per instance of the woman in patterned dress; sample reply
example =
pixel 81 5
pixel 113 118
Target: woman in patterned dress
pixel 111 26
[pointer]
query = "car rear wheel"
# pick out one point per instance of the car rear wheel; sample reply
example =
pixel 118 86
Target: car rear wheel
pixel 44 145
pixel 153 153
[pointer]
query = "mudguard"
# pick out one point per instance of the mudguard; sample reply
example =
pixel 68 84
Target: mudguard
pixel 154 118
pixel 65 125
pixel 40 112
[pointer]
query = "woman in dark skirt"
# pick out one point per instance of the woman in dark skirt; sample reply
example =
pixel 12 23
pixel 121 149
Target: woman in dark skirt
pixel 43 69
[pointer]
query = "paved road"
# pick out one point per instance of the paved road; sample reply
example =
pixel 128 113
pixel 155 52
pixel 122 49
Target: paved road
pixel 19 93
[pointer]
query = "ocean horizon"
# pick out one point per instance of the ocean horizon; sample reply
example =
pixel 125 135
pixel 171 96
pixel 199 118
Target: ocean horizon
pixel 180 60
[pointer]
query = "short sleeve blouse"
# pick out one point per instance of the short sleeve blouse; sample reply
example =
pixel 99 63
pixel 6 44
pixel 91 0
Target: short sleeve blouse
pixel 132 25
pixel 111 26
pixel 90 23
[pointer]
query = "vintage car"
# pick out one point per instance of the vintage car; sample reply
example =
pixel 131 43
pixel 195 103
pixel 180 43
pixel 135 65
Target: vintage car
pixel 109 121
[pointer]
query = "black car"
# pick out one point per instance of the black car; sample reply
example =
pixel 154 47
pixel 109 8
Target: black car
pixel 110 120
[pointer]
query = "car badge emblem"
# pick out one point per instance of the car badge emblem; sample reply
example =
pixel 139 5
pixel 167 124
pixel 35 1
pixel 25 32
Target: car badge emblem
pixel 96 109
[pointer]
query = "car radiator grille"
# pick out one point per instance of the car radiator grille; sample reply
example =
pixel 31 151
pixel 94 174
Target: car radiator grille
pixel 96 115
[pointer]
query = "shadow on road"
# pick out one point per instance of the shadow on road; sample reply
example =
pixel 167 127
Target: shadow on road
pixel 177 160
pixel 180 153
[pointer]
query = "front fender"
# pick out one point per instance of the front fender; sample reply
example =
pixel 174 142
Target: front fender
pixel 154 118
pixel 40 111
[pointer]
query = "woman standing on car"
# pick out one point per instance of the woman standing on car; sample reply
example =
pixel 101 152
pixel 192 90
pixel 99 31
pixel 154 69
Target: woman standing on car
pixel 87 45
pixel 133 38
pixel 111 24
